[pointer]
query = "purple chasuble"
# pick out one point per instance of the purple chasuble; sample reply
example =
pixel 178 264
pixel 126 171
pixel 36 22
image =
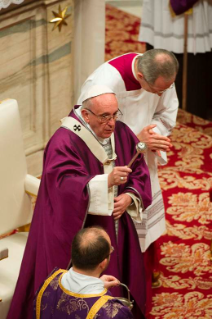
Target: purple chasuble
pixel 61 211
pixel 123 64
pixel 56 302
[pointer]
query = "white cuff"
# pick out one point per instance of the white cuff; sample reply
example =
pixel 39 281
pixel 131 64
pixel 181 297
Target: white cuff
pixel 101 198
pixel 135 210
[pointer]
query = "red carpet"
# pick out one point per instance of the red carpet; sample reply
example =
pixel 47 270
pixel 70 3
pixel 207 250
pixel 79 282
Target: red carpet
pixel 185 290
pixel 186 280
pixel 121 34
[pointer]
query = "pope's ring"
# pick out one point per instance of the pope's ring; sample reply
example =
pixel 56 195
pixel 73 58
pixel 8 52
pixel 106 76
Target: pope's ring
pixel 121 178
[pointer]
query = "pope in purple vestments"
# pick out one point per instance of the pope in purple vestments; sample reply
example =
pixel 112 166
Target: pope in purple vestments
pixel 63 204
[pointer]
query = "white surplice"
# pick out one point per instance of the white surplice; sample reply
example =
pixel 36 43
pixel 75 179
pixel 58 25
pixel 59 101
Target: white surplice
pixel 164 31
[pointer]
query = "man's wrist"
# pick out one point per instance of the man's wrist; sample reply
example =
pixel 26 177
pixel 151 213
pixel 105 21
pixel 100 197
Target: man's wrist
pixel 130 199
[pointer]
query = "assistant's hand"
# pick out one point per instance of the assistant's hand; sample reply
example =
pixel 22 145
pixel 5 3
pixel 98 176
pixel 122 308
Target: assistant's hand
pixel 154 141
pixel 121 203
pixel 118 175
pixel 109 281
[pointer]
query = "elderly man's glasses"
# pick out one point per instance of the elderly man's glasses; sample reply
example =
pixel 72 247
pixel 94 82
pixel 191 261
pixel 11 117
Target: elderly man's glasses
pixel 171 87
pixel 156 91
pixel 105 118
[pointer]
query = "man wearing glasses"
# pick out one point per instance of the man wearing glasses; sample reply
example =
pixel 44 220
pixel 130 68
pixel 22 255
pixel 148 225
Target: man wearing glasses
pixel 86 182
pixel 144 87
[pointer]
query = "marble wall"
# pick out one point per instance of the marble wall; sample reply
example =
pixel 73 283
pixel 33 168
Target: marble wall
pixel 36 69
pixel 89 40
pixel 43 69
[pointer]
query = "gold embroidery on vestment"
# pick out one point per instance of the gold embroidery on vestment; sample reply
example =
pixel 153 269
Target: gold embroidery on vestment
pixel 67 305
pixel 97 305
pixel 40 294
pixel 112 309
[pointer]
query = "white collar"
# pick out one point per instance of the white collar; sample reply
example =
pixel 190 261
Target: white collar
pixel 81 284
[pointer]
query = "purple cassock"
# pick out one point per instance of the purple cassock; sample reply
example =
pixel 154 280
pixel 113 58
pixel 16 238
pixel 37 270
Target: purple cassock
pixel 53 301
pixel 61 211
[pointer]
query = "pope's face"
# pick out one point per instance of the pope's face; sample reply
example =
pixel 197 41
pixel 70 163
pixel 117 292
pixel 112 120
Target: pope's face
pixel 102 105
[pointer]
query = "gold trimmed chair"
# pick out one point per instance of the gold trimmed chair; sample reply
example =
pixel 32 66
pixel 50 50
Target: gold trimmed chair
pixel 15 202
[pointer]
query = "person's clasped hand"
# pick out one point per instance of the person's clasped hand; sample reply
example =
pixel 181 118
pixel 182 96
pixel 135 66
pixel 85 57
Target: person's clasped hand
pixel 121 203
pixel 154 141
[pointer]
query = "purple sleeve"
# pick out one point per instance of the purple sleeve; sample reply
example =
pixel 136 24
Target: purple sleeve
pixel 181 6
pixel 139 182
pixel 124 313
pixel 66 179
pixel 63 196
pixel 114 306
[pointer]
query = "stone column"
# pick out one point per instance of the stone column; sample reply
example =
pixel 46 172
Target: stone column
pixel 89 40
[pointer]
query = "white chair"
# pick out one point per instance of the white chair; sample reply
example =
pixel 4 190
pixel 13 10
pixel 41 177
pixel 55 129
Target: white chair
pixel 15 203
